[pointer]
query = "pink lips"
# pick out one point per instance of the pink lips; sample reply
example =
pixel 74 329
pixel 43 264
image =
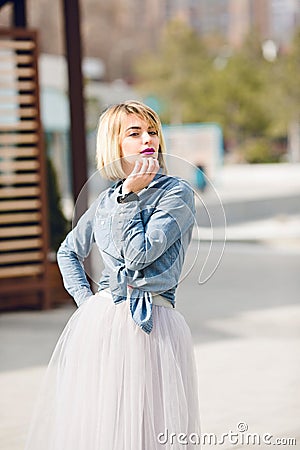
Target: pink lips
pixel 148 151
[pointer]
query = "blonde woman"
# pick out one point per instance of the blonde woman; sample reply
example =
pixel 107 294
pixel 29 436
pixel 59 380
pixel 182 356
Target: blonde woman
pixel 122 375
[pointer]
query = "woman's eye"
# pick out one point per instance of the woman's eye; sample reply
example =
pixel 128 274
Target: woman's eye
pixel 136 133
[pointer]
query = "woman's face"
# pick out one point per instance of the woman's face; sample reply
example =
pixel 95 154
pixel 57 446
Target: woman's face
pixel 137 140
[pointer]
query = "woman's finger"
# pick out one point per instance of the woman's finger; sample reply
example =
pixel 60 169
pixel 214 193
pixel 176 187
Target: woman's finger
pixel 151 167
pixel 137 167
pixel 144 167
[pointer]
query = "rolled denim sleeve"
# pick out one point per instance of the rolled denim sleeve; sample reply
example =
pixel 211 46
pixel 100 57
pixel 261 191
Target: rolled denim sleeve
pixel 173 216
pixel 73 251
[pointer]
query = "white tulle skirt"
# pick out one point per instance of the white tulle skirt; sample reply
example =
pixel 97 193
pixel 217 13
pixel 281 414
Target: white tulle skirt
pixel 111 386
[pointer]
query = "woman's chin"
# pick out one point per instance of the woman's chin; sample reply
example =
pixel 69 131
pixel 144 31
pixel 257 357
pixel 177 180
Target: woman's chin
pixel 153 155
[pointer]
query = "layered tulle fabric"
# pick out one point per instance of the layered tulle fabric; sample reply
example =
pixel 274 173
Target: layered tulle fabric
pixel 111 386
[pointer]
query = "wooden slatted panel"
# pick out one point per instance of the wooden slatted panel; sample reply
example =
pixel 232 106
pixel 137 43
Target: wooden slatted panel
pixel 19 85
pixel 18 59
pixel 24 230
pixel 9 258
pixel 21 271
pixel 23 210
pixel 13 139
pixel 19 178
pixel 12 165
pixel 28 217
pixel 21 112
pixel 22 99
pixel 17 45
pixel 17 73
pixel 25 125
pixel 19 244
pixel 8 192
pixel 15 152
pixel 20 205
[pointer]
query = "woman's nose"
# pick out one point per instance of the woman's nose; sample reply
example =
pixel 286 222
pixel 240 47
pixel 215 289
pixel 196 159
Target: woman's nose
pixel 146 137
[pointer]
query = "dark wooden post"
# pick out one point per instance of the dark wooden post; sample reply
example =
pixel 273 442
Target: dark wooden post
pixel 78 139
pixel 19 13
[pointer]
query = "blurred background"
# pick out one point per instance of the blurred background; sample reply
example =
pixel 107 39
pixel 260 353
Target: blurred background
pixel 224 76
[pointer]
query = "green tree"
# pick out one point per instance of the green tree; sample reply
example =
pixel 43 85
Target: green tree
pixel 194 88
pixel 283 95
pixel 291 76
pixel 240 104
pixel 253 99
pixel 282 90
pixel 174 71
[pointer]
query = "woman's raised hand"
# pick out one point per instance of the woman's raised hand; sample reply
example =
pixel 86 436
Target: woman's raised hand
pixel 143 173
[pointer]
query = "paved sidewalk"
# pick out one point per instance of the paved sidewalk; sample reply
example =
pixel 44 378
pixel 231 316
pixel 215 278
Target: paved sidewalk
pixel 27 341
pixel 259 189
pixel 257 181
pixel 234 371
pixel 280 231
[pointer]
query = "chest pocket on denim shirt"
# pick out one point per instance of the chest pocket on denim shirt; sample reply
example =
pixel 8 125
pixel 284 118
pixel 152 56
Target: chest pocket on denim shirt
pixel 103 231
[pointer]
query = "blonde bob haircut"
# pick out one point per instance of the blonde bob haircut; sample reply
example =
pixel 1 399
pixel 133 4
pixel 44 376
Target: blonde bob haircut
pixel 108 153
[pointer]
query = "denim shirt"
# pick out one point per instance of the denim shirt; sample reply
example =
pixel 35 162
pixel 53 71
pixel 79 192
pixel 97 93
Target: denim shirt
pixel 142 244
